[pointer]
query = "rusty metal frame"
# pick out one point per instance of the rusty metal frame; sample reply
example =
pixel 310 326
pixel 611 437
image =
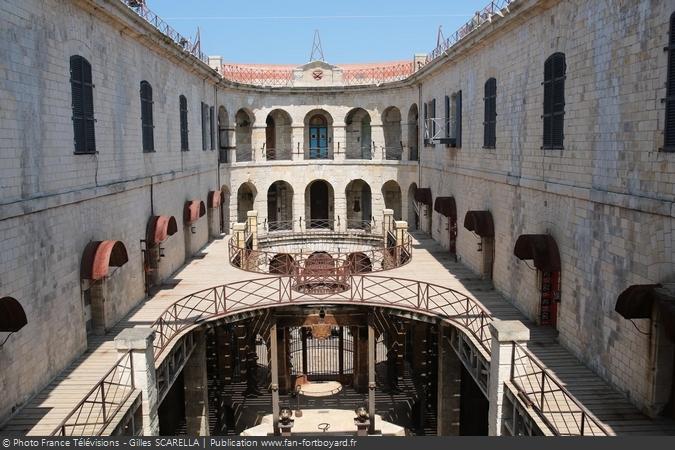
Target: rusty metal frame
pixel 553 403
pixel 102 403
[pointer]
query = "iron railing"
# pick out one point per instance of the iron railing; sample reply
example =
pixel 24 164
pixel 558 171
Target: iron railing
pixel 497 7
pixel 553 403
pixel 193 47
pixel 96 410
pixel 356 258
pixel 377 75
pixel 277 154
pixel 257 76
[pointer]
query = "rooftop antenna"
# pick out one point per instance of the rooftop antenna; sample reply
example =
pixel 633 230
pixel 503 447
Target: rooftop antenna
pixel 440 39
pixel 197 46
pixel 317 51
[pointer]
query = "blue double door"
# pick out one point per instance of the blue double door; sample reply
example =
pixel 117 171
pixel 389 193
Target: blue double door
pixel 318 142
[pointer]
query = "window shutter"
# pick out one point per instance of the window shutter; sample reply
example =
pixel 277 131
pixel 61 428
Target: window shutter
pixel 426 124
pixel 669 123
pixel 82 97
pixel 212 128
pixel 147 123
pixel 433 116
pixel 554 101
pixel 447 116
pixel 204 136
pixel 184 143
pixel 458 119
pixel 489 126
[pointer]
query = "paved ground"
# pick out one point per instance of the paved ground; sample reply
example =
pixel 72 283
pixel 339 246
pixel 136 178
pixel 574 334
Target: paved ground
pixel 430 263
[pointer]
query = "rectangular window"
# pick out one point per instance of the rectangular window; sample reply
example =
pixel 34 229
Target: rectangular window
pixel 212 128
pixel 458 119
pixel 184 143
pixel 448 121
pixel 554 101
pixel 205 116
pixel 147 126
pixel 669 123
pixel 82 96
pixel 490 120
pixel 425 114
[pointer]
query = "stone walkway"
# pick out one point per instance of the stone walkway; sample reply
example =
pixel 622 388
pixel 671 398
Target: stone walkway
pixel 430 263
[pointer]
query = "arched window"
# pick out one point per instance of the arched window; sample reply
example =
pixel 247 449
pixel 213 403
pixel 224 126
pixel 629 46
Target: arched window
pixel 554 101
pixel 82 90
pixel 184 145
pixel 490 123
pixel 669 123
pixel 146 117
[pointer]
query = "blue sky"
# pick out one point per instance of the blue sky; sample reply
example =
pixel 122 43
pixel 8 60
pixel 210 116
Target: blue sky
pixel 266 31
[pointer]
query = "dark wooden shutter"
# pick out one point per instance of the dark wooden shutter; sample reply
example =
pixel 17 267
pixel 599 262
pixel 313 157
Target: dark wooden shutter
pixel 554 101
pixel 204 133
pixel 448 122
pixel 147 124
pixel 669 123
pixel 212 128
pixel 184 143
pixel 489 125
pixel 427 129
pixel 433 116
pixel 458 119
pixel 82 96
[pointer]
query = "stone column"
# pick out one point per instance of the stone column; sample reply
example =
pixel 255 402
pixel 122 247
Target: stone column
pixel 377 141
pixel 402 240
pixel 339 137
pixel 138 341
pixel 283 360
pixel 239 234
pixel 504 334
pixel 195 380
pixel 252 220
pixel 405 151
pixel 298 142
pixel 340 209
pixel 360 358
pixel 258 138
pixel 387 222
pixel 232 139
pixel 449 386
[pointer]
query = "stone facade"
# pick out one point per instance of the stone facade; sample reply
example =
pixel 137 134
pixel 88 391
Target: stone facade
pixel 606 198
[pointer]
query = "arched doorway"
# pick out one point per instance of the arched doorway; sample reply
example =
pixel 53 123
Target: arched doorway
pixel 391 122
pixel 244 122
pixel 359 205
pixel 359 136
pixel 319 206
pixel 391 192
pixel 413 208
pixel 278 135
pixel 245 201
pixel 280 206
pixel 318 135
pixel 413 132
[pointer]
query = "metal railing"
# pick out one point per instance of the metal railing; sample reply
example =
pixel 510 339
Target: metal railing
pixel 498 7
pixel 377 75
pixel 277 154
pixel 553 403
pixel 95 411
pixel 257 76
pixel 193 47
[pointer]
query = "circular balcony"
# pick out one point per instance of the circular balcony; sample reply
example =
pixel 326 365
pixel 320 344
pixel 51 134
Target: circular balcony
pixel 321 257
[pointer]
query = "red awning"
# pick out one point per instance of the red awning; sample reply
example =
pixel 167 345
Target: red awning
pixel 12 315
pixel 98 256
pixel 423 196
pixel 446 206
pixel 160 228
pixel 638 302
pixel 194 209
pixel 480 222
pixel 541 248
pixel 214 199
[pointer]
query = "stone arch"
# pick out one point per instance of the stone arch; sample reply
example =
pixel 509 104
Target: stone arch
pixel 358 137
pixel 246 195
pixel 280 206
pixel 359 204
pixel 319 204
pixel 391 124
pixel 278 135
pixel 391 193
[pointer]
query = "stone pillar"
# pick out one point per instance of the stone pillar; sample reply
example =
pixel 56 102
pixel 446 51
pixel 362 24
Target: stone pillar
pixel 232 139
pixel 405 151
pixel 284 362
pixel 387 222
pixel 377 141
pixel 371 378
pixel 449 386
pixel 340 210
pixel 339 137
pixel 252 221
pixel 298 143
pixel 299 210
pixel 195 380
pixel 138 341
pixel 239 234
pixel 258 138
pixel 360 358
pixel 402 240
pixel 274 368
pixel 504 334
